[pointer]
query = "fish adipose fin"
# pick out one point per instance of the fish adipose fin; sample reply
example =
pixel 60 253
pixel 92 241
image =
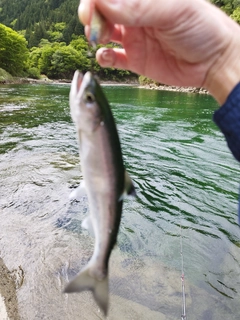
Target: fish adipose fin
pixel 129 188
pixel 79 192
pixel 99 288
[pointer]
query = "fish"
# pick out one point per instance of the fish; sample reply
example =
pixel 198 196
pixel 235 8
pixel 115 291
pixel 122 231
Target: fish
pixel 105 181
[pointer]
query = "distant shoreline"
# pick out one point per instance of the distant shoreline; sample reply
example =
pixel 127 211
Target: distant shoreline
pixel 174 88
pixel 151 86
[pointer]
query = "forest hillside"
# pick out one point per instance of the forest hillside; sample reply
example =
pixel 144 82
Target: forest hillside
pixel 37 19
pixel 51 38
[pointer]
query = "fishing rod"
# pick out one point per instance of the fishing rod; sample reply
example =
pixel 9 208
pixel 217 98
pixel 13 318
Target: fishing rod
pixel 183 316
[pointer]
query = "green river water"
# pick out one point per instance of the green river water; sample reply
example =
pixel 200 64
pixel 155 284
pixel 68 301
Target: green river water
pixel 187 184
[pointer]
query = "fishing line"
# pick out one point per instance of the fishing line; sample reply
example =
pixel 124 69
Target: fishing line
pixel 183 316
pixel 91 55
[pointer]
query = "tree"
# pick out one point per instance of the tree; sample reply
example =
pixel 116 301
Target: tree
pixel 236 15
pixel 227 6
pixel 34 57
pixel 57 60
pixel 13 51
pixel 65 61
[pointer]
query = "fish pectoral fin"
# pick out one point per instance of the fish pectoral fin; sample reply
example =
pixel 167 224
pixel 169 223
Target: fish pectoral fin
pixel 99 288
pixel 87 224
pixel 129 188
pixel 79 192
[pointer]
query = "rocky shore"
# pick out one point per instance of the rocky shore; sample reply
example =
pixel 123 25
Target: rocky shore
pixel 153 86
pixel 8 297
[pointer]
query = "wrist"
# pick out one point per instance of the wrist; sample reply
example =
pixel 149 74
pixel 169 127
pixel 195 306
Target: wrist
pixel 225 74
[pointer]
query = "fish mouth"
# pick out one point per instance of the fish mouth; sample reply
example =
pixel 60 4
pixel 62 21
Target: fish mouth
pixel 80 82
pixel 77 80
pixel 81 94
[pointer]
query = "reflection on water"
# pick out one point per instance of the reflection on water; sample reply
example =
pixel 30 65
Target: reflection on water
pixel 184 175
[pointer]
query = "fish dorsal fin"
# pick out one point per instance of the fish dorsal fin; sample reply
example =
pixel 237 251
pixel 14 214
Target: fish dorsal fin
pixel 79 192
pixel 129 188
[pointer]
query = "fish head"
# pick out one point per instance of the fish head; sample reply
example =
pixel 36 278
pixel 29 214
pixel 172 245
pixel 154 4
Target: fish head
pixel 85 110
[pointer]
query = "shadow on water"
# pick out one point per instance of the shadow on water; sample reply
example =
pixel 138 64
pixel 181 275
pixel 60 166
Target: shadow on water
pixel 185 178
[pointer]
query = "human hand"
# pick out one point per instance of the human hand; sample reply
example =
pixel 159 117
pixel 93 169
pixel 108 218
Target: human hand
pixel 176 42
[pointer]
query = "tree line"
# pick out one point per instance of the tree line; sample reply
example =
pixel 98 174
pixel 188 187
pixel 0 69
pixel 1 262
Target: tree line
pixel 25 14
pixel 46 37
pixel 52 37
pixel 36 17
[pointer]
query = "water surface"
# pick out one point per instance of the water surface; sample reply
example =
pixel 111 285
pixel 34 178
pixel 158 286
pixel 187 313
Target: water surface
pixel 187 183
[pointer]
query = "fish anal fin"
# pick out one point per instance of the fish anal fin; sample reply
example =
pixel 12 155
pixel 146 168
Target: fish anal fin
pixel 128 185
pixel 129 188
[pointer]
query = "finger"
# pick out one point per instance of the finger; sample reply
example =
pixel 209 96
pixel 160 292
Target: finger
pixel 87 31
pixel 143 12
pixel 112 33
pixel 114 58
pixel 84 11
pixel 161 13
pixel 126 12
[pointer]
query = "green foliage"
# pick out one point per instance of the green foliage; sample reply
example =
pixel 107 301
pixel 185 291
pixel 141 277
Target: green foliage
pixel 33 73
pixel 57 60
pixel 13 51
pixel 56 42
pixel 59 26
pixel 5 76
pixel 228 6
pixel 236 15
pixel 80 44
pixel 55 33
pixel 146 81
pixel 40 16
pixel 34 57
pixel 64 61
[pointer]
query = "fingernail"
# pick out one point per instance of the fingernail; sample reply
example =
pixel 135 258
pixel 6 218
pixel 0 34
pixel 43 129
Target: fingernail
pixel 107 57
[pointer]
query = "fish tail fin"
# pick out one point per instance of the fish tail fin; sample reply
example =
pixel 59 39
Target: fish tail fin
pixel 99 288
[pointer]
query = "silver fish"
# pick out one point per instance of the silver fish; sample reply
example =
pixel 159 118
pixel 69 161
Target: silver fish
pixel 105 181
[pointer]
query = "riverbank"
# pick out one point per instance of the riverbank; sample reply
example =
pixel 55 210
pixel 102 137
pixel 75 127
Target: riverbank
pixel 153 86
pixel 150 86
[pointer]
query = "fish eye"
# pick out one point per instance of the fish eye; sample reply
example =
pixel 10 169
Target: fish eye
pixel 89 97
